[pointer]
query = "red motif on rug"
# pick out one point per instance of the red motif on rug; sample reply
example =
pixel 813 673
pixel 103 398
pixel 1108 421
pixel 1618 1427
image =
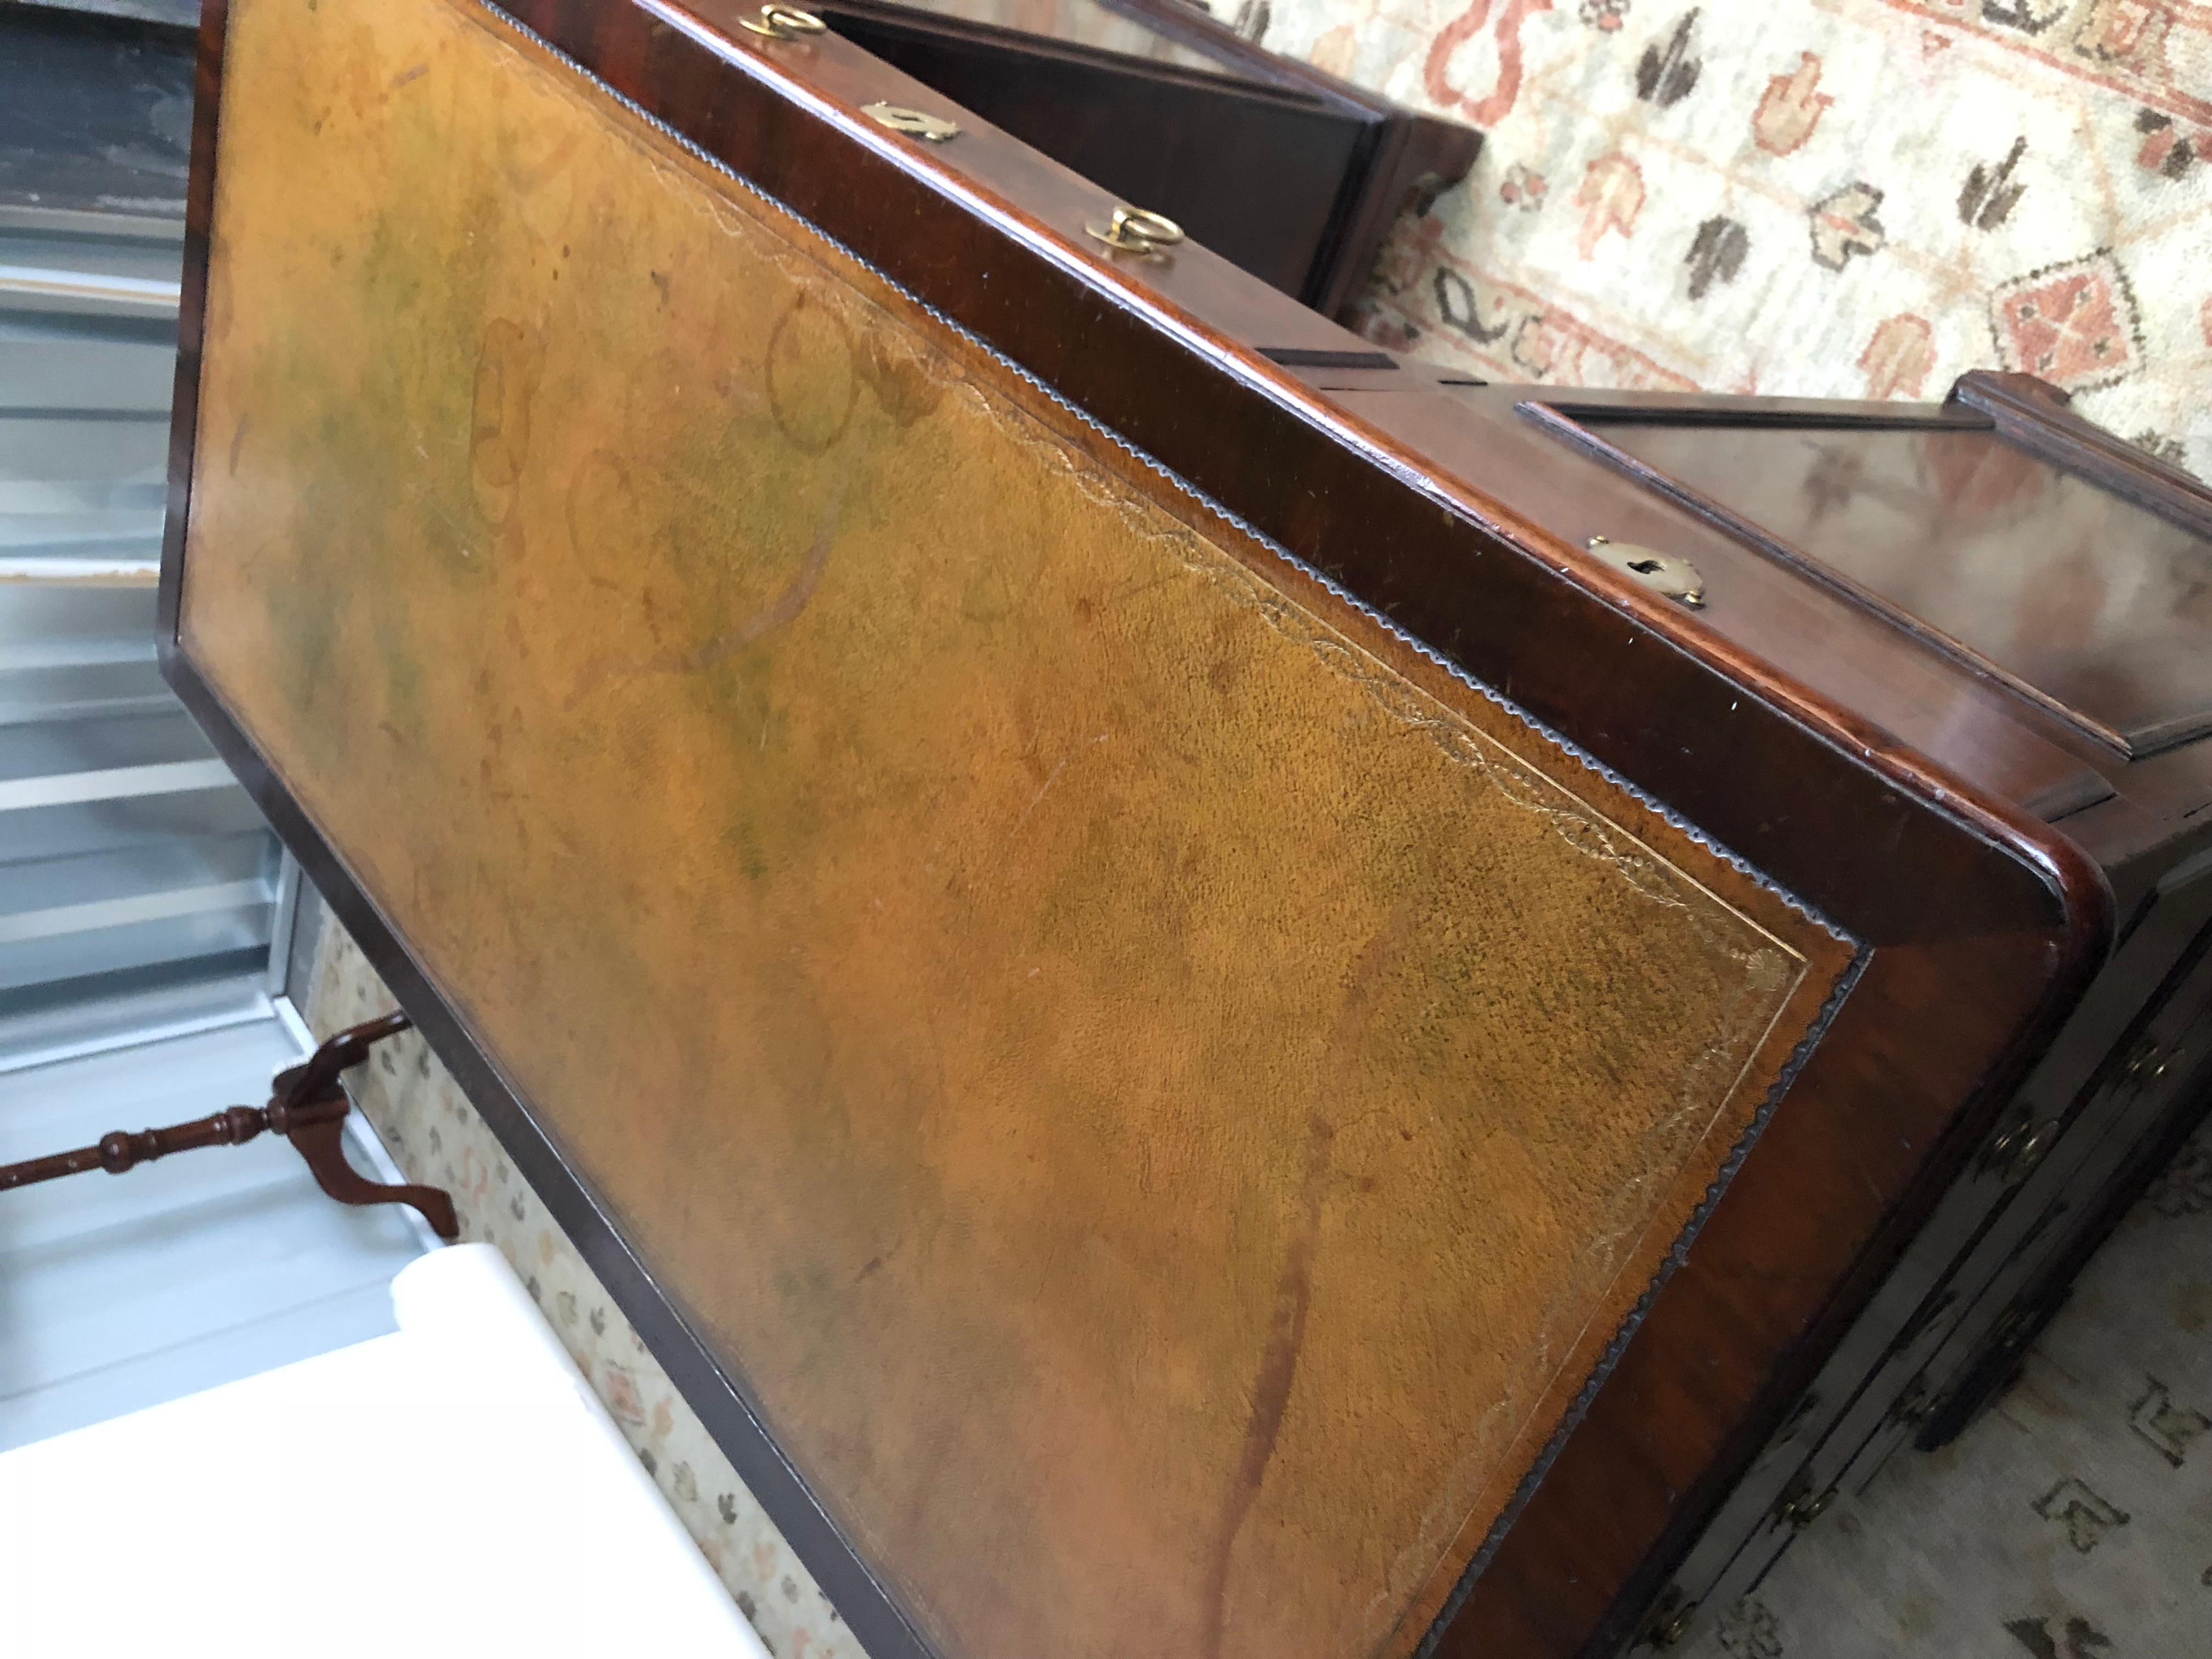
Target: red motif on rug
pixel 1611 196
pixel 1791 108
pixel 2073 325
pixel 1898 356
pixel 1488 111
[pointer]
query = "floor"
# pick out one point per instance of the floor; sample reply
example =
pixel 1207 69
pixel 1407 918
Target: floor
pixel 119 1292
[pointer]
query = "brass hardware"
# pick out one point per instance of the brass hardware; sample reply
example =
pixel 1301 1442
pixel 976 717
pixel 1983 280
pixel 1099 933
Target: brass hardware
pixel 2031 1151
pixel 2014 1329
pixel 915 124
pixel 1662 573
pixel 781 22
pixel 2144 1067
pixel 2013 1155
pixel 1674 1627
pixel 1798 1505
pixel 1135 230
pixel 1670 1621
pixel 1804 1512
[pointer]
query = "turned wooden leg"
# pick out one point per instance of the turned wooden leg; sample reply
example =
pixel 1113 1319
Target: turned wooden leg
pixel 307 1106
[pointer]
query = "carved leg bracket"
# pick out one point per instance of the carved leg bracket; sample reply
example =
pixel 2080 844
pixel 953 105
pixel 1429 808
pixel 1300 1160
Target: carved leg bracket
pixel 307 1105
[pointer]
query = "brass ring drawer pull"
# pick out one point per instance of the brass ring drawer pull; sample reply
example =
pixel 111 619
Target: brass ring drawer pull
pixel 781 22
pixel 915 124
pixel 1135 230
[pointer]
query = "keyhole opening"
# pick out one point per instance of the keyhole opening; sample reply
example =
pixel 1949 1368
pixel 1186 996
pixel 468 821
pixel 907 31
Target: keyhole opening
pixel 1644 567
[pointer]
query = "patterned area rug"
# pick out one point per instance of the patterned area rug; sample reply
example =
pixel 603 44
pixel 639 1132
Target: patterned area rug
pixel 1857 198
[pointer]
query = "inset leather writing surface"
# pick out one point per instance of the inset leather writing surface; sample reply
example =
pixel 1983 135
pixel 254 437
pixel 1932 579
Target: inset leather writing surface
pixel 1162 1093
pixel 2093 606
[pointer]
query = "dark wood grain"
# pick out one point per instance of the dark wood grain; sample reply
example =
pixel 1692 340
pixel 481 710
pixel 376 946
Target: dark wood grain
pixel 2100 617
pixel 1253 171
pixel 2039 417
pixel 1414 159
pixel 1291 174
pixel 123 1150
pixel 1770 613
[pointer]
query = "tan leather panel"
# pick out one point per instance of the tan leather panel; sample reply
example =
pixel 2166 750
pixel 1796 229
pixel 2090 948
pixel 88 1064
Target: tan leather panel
pixel 1161 1091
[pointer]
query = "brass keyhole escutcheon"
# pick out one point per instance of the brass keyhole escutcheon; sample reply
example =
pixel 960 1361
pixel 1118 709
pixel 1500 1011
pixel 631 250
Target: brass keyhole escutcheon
pixel 1662 573
pixel 1136 230
pixel 781 22
pixel 914 123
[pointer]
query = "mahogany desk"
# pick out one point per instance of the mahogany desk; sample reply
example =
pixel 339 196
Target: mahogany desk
pixel 1212 994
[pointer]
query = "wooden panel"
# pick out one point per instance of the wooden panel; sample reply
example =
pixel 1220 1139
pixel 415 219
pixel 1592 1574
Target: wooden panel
pixel 2084 602
pixel 1253 170
pixel 1762 606
pixel 1082 24
pixel 1151 1080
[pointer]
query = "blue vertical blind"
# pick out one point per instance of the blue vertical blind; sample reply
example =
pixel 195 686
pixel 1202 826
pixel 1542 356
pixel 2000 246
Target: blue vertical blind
pixel 130 862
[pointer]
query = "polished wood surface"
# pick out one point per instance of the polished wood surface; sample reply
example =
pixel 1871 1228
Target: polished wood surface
pixel 1080 23
pixel 2071 594
pixel 2039 417
pixel 1754 603
pixel 1254 170
pixel 1289 173
pixel 1980 922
